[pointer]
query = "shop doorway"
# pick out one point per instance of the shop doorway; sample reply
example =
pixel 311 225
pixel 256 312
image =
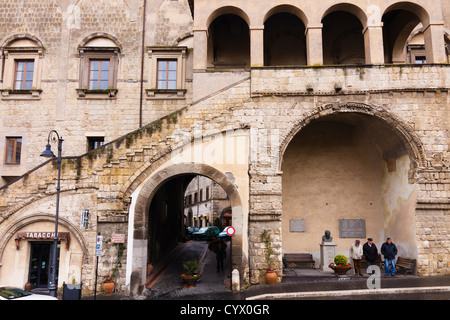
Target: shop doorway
pixel 40 264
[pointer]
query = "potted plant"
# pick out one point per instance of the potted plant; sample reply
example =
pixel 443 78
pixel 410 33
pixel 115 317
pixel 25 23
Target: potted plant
pixel 108 285
pixel 340 265
pixel 271 275
pixel 191 276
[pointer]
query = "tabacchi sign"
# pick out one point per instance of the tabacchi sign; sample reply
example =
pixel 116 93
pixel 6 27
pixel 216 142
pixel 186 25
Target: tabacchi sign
pixel 42 236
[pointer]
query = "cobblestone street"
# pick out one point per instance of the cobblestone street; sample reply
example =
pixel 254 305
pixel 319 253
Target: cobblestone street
pixel 169 284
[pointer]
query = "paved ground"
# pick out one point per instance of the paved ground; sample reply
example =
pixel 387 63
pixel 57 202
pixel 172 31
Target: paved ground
pixel 301 284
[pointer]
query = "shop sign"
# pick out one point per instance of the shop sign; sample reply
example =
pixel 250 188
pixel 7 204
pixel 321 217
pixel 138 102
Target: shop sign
pixel 118 238
pixel 42 236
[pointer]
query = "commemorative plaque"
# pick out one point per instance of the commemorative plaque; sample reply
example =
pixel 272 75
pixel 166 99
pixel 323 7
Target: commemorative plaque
pixel 297 225
pixel 352 228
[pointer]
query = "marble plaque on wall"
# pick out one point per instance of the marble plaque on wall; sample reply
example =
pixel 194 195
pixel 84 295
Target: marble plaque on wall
pixel 352 228
pixel 297 225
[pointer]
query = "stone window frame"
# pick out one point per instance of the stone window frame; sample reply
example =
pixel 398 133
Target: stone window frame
pixel 32 50
pixel 414 51
pixel 166 53
pixel 99 46
pixel 98 53
pixel 15 139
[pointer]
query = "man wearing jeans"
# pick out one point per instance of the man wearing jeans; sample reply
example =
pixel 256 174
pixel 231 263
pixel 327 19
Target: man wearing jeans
pixel 389 251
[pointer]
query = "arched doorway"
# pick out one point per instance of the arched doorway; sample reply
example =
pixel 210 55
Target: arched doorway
pixel 349 171
pixel 156 217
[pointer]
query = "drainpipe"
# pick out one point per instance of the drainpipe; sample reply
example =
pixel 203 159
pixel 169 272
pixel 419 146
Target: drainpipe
pixel 142 63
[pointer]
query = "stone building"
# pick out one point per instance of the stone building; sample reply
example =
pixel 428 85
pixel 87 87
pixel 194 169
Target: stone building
pixel 310 117
pixel 206 204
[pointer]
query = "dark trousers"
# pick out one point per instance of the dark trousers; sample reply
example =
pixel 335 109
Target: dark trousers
pixel 357 266
pixel 219 265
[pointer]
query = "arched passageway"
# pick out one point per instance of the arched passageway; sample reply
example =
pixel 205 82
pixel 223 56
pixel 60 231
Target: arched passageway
pixel 348 173
pixel 157 216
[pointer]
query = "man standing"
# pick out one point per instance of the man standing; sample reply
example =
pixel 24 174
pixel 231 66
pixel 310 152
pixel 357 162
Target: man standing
pixel 356 253
pixel 389 251
pixel 370 251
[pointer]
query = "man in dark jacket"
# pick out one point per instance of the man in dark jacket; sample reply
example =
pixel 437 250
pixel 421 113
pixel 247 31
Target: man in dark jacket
pixel 389 251
pixel 370 252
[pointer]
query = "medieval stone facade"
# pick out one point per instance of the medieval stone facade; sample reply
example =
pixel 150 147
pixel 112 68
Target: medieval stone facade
pixel 300 112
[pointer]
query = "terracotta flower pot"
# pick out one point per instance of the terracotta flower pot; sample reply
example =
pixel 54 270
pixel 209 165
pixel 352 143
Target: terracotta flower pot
pixel 108 287
pixel 190 279
pixel 340 270
pixel 271 277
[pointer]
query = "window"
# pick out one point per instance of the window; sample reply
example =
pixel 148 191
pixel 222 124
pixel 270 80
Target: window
pixel 13 150
pixel 95 142
pixel 23 79
pixel 22 69
pixel 99 65
pixel 167 74
pixel 420 59
pixel 98 74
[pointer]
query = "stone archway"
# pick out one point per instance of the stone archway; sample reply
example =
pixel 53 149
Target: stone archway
pixel 350 162
pixel 73 257
pixel 405 133
pixel 139 220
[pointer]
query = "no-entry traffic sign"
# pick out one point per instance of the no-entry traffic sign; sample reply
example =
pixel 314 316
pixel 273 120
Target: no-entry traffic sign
pixel 230 231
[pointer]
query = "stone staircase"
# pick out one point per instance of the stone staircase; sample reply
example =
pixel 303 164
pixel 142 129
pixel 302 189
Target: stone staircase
pixel 113 168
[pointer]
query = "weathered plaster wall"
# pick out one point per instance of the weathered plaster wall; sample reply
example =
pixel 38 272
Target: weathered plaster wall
pixel 331 171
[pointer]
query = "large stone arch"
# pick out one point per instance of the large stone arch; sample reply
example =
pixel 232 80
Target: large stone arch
pixel 142 198
pixel 352 161
pixel 405 133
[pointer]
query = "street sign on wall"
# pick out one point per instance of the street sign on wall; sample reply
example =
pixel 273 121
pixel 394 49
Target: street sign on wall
pixel 118 238
pixel 99 246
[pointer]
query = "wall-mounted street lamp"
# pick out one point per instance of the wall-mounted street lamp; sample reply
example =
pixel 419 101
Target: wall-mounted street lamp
pixel 48 153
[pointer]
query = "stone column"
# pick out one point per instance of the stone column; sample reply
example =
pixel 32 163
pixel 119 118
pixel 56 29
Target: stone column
pixel 257 46
pixel 264 214
pixel 314 48
pixel 373 44
pixel 435 43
